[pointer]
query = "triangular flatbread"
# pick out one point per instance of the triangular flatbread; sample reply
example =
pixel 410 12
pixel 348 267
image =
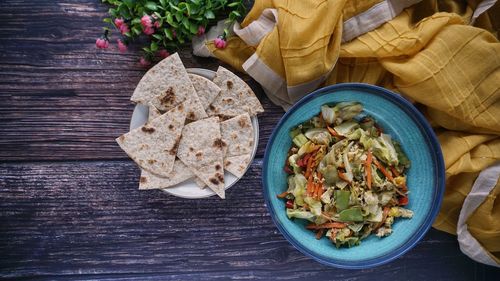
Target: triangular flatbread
pixel 205 89
pixel 235 97
pixel 237 165
pixel 153 112
pixel 200 149
pixel 167 79
pixel 179 174
pixel 153 146
pixel 237 133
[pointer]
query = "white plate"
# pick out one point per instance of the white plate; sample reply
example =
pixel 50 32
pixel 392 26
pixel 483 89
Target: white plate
pixel 189 189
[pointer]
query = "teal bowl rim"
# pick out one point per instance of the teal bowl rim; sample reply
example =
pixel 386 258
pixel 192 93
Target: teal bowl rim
pixel 437 158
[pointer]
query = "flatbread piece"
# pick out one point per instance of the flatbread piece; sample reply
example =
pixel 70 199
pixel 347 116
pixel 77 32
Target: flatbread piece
pixel 200 149
pixel 153 146
pixel 235 98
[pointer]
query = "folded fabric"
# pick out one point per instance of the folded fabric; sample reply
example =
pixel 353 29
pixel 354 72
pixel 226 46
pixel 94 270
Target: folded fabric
pixel 428 51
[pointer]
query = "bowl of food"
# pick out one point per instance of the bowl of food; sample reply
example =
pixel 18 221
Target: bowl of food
pixel 353 176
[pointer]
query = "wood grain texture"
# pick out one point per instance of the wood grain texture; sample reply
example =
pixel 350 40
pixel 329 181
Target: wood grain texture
pixel 60 97
pixel 69 204
pixel 89 218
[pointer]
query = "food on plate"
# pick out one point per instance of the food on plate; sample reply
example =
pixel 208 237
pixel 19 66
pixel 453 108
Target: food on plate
pixel 168 76
pixel 153 146
pixel 235 98
pixel 201 150
pixel 152 112
pixel 237 133
pixel 346 177
pixel 206 89
pixel 237 165
pixel 179 140
pixel 179 174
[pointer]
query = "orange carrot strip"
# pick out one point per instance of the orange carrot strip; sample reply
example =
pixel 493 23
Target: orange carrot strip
pixel 383 170
pixel 343 177
pixel 394 171
pixel 283 195
pixel 333 132
pixel 368 169
pixel 319 234
pixel 309 167
pixel 327 225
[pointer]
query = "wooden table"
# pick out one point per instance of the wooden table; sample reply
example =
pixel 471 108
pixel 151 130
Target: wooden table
pixel 69 204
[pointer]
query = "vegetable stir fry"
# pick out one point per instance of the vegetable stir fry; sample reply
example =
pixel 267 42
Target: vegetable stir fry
pixel 346 177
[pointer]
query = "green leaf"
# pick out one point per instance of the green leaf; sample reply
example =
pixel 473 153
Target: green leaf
pixel 136 30
pixel 193 28
pixel 163 3
pixel 236 13
pixel 107 20
pixel 154 47
pixel 174 7
pixel 136 21
pixel 170 19
pixel 234 4
pixel 185 22
pixel 157 36
pixel 178 16
pixel 209 14
pixel 146 49
pixel 130 3
pixel 168 34
pixel 127 34
pixel 151 6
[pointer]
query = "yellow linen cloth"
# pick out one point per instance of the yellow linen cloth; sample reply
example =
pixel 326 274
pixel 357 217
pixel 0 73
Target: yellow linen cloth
pixel 443 55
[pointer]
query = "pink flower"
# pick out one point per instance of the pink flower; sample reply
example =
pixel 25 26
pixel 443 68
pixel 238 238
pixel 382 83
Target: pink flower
pixel 163 53
pixel 220 43
pixel 174 34
pixel 156 24
pixel 119 22
pixel 121 46
pixel 102 43
pixel 201 30
pixel 146 21
pixel 144 62
pixel 149 30
pixel 124 29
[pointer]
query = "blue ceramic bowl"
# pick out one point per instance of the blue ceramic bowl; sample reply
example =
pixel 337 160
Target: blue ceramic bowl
pixel 403 122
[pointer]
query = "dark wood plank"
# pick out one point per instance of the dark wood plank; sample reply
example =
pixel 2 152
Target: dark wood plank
pixel 60 97
pixel 88 218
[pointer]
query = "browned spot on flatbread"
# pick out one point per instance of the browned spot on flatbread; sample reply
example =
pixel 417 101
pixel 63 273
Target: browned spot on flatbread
pixel 227 163
pixel 229 85
pixel 191 115
pixel 173 151
pixel 180 107
pixel 151 161
pixel 220 177
pixel 217 167
pixel 122 138
pixel 223 117
pixel 191 149
pixel 211 107
pixel 169 97
pixel 219 143
pixel 147 130
pixel 242 122
pixel 143 179
pixel 171 127
pixel 228 101
pixel 214 181
pixel 199 154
